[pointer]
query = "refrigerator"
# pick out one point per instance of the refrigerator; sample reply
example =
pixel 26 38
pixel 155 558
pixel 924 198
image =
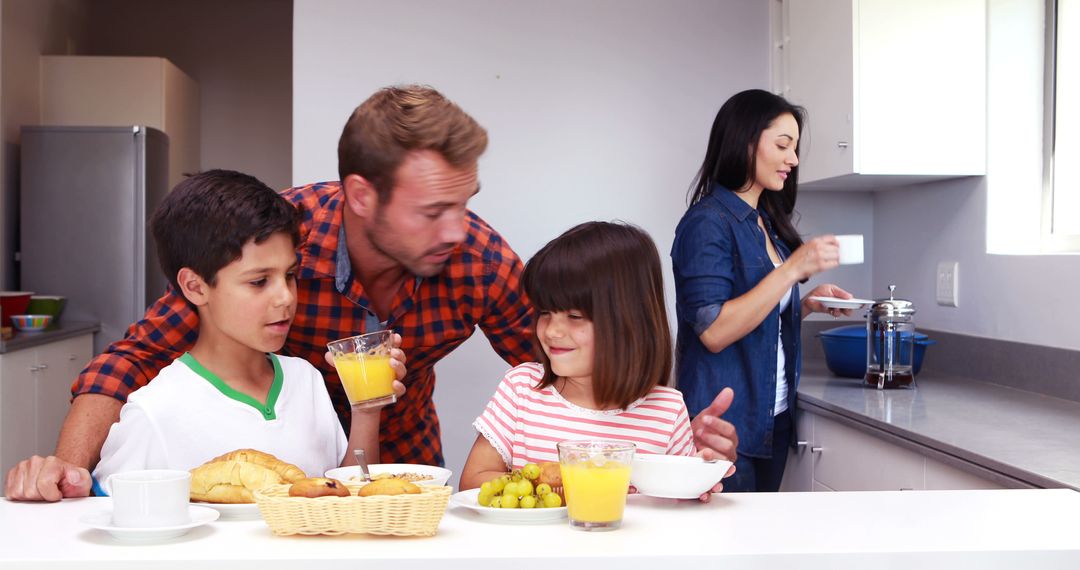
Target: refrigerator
pixel 85 197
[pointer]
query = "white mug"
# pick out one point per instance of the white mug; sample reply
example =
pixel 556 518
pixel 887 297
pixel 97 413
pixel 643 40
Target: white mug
pixel 150 498
pixel 851 248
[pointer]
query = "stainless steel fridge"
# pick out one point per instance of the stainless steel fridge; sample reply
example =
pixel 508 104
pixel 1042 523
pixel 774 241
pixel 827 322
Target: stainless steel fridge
pixel 85 198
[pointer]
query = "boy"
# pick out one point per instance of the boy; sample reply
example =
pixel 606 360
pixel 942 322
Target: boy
pixel 228 243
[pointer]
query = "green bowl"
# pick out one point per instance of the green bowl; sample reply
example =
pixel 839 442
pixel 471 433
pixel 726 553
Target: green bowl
pixel 52 305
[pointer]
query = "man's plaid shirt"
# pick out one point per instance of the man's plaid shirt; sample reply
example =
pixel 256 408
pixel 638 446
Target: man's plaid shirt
pixel 479 286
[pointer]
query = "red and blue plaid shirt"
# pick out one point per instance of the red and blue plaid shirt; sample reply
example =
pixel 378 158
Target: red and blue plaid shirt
pixel 479 286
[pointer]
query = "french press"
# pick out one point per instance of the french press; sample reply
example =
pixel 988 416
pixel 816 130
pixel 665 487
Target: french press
pixel 890 339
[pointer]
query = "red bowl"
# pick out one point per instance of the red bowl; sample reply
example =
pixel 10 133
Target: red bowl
pixel 13 303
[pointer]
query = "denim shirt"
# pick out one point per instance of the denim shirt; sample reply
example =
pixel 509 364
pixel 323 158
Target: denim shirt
pixel 719 254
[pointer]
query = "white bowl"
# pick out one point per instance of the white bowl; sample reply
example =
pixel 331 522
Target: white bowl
pixel 440 475
pixel 675 476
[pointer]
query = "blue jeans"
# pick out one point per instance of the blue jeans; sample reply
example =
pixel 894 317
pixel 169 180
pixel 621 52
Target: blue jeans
pixel 756 474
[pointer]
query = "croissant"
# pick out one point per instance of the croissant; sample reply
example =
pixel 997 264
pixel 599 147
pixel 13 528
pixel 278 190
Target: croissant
pixel 230 481
pixel 288 471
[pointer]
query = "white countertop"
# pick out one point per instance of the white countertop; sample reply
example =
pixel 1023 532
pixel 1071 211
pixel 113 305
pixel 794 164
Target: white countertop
pixel 1036 528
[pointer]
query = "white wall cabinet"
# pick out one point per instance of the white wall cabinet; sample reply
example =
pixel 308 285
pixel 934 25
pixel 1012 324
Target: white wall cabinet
pixel 105 91
pixel 836 457
pixel 35 394
pixel 895 91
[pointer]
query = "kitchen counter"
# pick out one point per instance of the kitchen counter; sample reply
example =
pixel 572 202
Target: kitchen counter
pixel 1015 437
pixel 64 330
pixel 1030 528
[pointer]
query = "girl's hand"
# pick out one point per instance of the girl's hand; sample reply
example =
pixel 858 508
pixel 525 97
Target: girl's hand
pixel 815 256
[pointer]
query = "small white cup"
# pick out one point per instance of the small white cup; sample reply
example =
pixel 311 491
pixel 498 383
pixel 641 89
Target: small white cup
pixel 150 498
pixel 851 248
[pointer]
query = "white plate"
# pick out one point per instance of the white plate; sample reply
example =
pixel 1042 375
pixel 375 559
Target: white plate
pixel 467 500
pixel 838 303
pixel 234 512
pixel 346 474
pixel 102 520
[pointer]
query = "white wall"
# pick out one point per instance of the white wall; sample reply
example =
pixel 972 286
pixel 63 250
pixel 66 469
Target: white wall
pixel 1012 294
pixel 595 110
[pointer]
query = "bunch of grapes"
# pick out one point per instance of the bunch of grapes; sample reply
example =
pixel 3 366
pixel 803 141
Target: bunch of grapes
pixel 518 490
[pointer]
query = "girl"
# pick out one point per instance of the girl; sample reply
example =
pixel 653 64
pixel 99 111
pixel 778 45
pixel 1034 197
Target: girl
pixel 738 261
pixel 606 351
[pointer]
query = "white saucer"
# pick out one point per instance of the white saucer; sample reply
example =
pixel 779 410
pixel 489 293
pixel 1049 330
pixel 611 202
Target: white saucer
pixel 102 520
pixel 233 512
pixel 838 303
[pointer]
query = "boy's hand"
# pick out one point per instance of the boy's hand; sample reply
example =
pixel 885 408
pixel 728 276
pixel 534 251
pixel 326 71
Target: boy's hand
pixel 397 362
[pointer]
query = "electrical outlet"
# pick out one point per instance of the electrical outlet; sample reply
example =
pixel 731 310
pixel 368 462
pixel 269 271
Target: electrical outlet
pixel 948 283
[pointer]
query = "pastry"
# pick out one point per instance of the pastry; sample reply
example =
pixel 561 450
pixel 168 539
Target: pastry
pixel 318 487
pixel 230 481
pixel 550 473
pixel 288 471
pixel 389 486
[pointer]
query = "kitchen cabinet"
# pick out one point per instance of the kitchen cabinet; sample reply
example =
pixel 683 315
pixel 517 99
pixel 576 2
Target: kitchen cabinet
pixel 895 91
pixel 106 91
pixel 834 456
pixel 35 394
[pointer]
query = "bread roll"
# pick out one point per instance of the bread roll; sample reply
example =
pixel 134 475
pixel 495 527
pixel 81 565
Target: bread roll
pixel 318 487
pixel 230 481
pixel 551 473
pixel 288 471
pixel 391 486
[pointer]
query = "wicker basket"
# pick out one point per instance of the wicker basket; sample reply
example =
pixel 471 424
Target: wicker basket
pixel 399 515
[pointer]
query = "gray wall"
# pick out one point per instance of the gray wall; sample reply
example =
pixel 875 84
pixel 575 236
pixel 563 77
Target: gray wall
pixel 240 53
pixel 596 110
pixel 29 28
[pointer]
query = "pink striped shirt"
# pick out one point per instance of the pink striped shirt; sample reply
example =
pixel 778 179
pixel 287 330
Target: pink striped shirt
pixel 524 424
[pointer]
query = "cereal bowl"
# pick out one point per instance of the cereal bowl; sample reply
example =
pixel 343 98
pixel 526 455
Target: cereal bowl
pixel 675 476
pixel 419 474
pixel 31 323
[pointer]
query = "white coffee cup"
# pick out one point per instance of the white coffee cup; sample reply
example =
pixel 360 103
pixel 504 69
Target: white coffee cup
pixel 150 498
pixel 851 248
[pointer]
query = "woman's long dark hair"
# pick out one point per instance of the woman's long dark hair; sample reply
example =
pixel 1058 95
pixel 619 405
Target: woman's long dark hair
pixel 730 160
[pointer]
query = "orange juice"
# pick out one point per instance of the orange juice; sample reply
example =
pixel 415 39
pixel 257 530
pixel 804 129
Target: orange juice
pixel 596 493
pixel 365 378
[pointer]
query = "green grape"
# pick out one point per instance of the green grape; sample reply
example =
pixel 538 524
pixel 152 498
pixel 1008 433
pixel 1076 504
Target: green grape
pixel 496 502
pixel 542 489
pixel 516 475
pixel 531 471
pixel 508 502
pixel 484 498
pixel 524 487
pixel 498 483
pixel 511 489
pixel 552 500
pixel 527 502
pixel 487 487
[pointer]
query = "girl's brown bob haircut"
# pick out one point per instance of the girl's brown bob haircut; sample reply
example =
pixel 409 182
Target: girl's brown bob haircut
pixel 611 273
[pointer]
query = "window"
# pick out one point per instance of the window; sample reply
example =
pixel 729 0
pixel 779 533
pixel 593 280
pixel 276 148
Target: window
pixel 1061 209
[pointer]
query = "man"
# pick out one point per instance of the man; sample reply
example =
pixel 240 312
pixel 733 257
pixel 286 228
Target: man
pixel 392 244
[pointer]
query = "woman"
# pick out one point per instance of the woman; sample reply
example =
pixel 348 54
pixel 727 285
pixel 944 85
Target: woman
pixel 738 261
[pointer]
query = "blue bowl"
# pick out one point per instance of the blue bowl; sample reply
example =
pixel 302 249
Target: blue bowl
pixel 845 350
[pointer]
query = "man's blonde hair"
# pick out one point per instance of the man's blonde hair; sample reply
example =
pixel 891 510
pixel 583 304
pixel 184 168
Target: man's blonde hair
pixel 399 119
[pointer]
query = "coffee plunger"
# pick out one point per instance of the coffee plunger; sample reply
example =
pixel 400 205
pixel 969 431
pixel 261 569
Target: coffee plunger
pixel 890 337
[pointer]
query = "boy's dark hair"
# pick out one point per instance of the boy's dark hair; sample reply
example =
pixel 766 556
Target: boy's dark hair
pixel 205 221
pixel 611 273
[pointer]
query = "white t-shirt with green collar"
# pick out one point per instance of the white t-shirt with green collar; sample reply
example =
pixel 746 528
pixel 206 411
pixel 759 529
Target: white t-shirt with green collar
pixel 188 416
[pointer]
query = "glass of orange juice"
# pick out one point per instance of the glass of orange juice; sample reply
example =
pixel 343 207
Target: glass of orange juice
pixel 363 364
pixel 596 478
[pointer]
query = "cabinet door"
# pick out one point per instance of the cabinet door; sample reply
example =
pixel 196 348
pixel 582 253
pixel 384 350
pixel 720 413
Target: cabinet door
pixel 850 460
pixel 59 363
pixel 17 404
pixel 941 476
pixel 820 67
pixel 799 473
